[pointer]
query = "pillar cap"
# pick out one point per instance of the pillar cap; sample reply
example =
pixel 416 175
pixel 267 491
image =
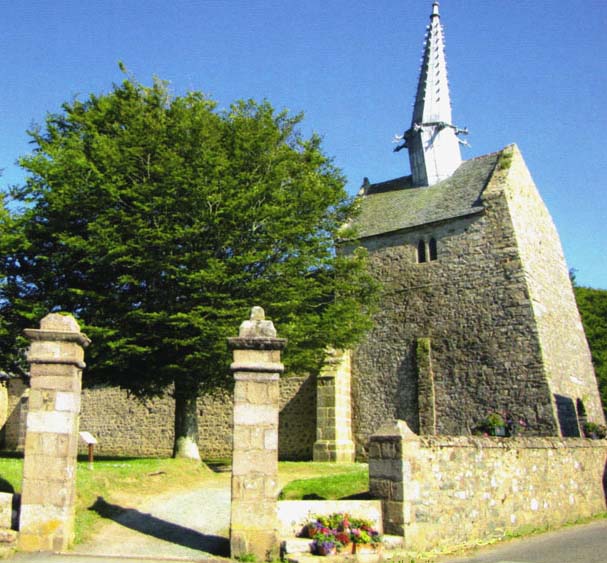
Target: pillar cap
pixel 257 334
pixel 58 327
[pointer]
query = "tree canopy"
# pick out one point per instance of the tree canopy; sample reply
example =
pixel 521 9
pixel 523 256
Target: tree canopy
pixel 159 220
pixel 592 304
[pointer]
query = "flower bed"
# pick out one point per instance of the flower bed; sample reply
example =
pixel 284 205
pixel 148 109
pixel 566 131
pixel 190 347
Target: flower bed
pixel 340 533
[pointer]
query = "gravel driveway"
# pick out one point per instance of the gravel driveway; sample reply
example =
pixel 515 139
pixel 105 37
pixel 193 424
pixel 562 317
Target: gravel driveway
pixel 188 524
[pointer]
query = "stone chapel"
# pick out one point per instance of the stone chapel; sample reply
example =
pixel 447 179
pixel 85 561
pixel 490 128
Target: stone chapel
pixel 478 313
pixel 477 316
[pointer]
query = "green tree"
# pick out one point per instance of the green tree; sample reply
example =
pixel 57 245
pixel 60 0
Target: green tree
pixel 159 220
pixel 592 304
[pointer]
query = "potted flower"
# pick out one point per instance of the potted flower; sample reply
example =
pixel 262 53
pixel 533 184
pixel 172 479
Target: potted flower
pixel 338 531
pixel 594 431
pixel 492 425
pixel 324 536
pixel 365 539
pixel 325 544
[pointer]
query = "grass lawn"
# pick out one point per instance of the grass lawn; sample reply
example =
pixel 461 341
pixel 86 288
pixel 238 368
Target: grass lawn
pixel 129 481
pixel 323 480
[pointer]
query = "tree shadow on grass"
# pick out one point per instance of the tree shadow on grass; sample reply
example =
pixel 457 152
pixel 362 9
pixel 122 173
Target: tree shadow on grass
pixel 5 486
pixel 161 529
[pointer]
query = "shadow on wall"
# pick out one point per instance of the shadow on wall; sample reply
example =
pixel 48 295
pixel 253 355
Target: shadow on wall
pixel 161 529
pixel 297 420
pixel 407 407
pixel 605 482
pixel 567 416
pixel 14 428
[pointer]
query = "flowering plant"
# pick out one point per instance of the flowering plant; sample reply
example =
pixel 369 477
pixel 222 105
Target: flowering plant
pixel 338 531
pixel 595 431
pixel 499 424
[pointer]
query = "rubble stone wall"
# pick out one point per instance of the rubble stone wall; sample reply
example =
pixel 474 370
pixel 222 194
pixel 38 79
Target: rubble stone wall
pixel 564 347
pixel 451 490
pixel 498 315
pixel 473 306
pixel 124 425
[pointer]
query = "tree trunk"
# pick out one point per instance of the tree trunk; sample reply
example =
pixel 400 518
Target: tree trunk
pixel 186 421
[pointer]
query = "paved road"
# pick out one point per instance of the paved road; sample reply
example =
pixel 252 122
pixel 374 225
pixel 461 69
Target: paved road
pixel 578 544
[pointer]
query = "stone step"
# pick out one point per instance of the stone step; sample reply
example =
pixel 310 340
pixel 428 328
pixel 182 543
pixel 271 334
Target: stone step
pixel 8 537
pixel 297 545
pixel 8 542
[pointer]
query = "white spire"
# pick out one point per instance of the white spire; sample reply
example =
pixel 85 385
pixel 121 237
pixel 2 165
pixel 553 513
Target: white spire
pixel 432 139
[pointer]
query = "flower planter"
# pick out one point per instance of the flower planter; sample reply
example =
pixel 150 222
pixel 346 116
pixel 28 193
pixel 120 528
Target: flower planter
pixel 326 550
pixel 346 548
pixel 366 548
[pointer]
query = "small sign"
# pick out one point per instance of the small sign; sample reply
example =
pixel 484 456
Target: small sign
pixel 88 438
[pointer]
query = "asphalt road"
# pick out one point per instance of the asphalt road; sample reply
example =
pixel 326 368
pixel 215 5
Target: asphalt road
pixel 578 544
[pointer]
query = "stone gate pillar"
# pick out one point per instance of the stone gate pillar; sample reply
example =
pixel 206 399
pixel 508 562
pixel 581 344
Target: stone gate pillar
pixel 393 450
pixel 333 410
pixel 256 368
pixel 56 358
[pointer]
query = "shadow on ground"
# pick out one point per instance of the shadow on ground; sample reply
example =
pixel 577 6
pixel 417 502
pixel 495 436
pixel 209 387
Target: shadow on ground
pixel 5 486
pixel 161 529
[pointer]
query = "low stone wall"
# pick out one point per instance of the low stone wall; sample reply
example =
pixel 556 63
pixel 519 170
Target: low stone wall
pixel 126 426
pixel 448 490
pixel 14 424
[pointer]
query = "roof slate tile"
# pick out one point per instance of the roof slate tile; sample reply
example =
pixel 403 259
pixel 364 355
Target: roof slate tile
pixel 395 205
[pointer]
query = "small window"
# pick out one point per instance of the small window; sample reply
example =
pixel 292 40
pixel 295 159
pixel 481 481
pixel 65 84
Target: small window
pixel 421 251
pixel 433 249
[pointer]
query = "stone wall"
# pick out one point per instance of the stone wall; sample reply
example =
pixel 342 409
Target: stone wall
pixel 14 427
pixel 124 425
pixel 473 306
pixel 450 490
pixel 495 312
pixel 565 350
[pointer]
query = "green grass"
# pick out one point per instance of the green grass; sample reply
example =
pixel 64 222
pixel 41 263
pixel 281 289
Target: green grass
pixel 126 482
pixel 337 481
pixel 11 471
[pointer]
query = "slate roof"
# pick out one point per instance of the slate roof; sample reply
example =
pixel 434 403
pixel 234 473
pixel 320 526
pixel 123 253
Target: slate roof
pixel 395 204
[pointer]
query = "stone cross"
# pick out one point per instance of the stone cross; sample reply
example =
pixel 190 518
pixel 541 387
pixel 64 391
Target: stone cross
pixel 56 359
pixel 256 368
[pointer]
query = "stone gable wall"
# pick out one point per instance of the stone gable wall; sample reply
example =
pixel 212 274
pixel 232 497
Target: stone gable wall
pixel 474 306
pixel 564 347
pixel 450 490
pixel 124 425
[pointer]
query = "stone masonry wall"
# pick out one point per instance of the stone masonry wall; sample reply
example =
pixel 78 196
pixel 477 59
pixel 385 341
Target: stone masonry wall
pixel 14 428
pixel 124 425
pixel 473 305
pixel 564 347
pixel 450 490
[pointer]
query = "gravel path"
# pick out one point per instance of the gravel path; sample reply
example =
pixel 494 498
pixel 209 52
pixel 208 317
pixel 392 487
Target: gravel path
pixel 187 525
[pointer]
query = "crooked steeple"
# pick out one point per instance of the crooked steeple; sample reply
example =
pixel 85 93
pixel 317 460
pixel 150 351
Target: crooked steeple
pixel 431 140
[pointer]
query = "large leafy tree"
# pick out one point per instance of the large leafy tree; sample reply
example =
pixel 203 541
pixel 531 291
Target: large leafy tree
pixel 159 220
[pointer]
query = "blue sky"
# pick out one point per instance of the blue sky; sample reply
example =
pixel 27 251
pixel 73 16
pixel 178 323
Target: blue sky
pixel 530 72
